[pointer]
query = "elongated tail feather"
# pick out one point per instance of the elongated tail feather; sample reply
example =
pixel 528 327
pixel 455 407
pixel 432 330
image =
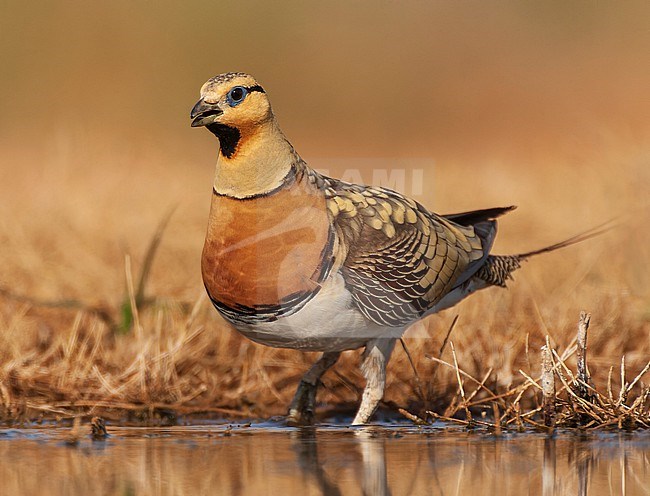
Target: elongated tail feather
pixel 497 269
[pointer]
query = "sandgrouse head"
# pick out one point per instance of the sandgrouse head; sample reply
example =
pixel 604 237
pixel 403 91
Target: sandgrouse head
pixel 231 105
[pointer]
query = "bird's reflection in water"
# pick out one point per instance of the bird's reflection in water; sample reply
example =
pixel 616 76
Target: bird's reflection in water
pixel 330 460
pixel 373 456
pixel 306 447
pixel 369 451
pixel 357 460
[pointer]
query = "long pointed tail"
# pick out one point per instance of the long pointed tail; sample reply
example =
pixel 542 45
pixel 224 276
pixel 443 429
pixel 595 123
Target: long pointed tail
pixel 497 269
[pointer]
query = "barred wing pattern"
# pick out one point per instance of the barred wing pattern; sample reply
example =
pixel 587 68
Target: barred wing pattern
pixel 399 258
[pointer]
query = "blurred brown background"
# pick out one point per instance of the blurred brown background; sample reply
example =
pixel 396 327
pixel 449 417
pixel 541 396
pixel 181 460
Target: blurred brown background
pixel 482 80
pixel 540 104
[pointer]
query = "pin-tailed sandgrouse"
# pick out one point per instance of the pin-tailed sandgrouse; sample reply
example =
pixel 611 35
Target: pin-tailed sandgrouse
pixel 295 259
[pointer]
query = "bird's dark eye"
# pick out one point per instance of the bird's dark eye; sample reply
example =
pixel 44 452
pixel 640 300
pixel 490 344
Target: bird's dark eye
pixel 236 95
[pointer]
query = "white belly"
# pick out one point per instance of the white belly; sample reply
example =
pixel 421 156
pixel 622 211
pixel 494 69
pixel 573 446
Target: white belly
pixel 328 322
pixel 456 295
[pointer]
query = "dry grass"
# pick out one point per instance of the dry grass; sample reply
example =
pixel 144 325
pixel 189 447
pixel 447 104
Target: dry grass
pixel 577 402
pixel 116 347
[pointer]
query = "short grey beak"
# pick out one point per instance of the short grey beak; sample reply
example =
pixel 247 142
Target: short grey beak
pixel 204 113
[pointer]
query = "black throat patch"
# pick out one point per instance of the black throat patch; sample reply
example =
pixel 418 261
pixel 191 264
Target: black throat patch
pixel 228 138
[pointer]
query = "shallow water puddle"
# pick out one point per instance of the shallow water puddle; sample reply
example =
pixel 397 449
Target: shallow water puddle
pixel 268 458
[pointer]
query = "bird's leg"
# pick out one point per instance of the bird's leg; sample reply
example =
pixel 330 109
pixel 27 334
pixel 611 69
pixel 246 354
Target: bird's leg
pixel 301 410
pixel 375 358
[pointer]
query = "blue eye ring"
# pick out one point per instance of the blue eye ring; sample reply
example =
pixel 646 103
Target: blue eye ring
pixel 236 95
